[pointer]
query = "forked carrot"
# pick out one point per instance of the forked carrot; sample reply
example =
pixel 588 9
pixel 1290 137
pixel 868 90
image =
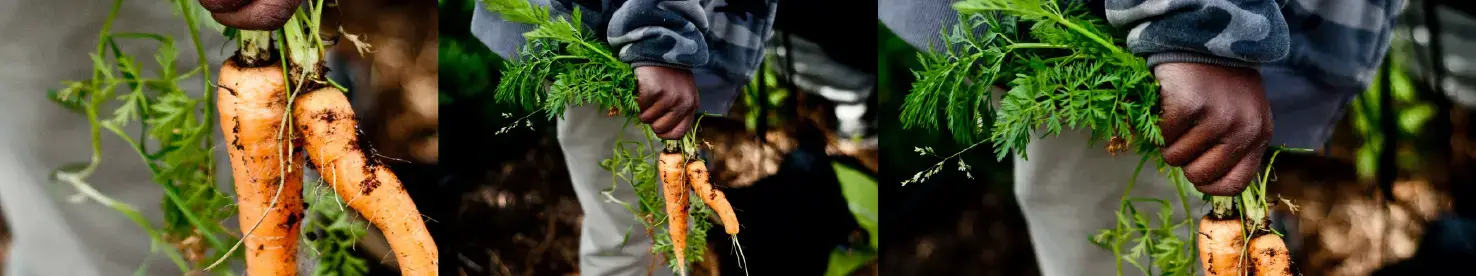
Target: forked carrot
pixel 698 177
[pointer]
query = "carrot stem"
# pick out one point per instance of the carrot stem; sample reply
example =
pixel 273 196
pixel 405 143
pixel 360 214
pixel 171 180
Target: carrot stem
pixel 255 47
pixel 1223 206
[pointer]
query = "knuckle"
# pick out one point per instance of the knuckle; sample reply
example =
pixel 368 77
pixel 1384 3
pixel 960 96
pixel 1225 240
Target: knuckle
pixel 1197 176
pixel 1175 158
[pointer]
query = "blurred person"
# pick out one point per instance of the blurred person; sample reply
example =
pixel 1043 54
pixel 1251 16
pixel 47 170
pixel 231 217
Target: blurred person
pixel 1250 73
pixel 53 236
pixel 689 56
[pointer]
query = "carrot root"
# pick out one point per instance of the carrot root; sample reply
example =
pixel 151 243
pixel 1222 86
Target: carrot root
pixel 1220 244
pixel 332 142
pixel 674 187
pixel 699 178
pixel 1270 256
pixel 253 107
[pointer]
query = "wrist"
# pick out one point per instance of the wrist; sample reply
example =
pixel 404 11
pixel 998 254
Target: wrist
pixel 639 64
pixel 1159 58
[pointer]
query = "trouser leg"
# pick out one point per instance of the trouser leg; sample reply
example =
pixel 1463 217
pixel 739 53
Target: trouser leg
pixel 587 137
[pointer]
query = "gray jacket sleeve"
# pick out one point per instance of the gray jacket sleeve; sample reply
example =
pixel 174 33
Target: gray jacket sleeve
pixel 1242 33
pixel 659 32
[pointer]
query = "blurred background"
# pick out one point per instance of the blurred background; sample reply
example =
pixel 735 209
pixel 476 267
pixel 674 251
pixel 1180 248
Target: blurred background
pixel 800 174
pixel 1363 210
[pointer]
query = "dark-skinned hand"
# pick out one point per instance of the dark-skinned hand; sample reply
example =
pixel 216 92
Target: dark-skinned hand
pixel 668 100
pixel 1216 124
pixel 261 15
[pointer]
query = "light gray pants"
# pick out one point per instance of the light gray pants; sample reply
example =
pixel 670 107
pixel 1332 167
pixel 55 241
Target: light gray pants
pixel 587 136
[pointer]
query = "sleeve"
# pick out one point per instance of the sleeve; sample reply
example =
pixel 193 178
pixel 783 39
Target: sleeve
pixel 665 33
pixel 1241 33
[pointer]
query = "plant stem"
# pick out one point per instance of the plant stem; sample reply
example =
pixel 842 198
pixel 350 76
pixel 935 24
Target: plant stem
pixel 255 47
pixel 1036 45
pixel 1078 28
pixel 1223 207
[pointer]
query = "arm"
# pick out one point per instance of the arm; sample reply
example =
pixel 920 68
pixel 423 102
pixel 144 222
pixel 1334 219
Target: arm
pixel 1217 32
pixel 667 33
pixel 662 40
pixel 1204 53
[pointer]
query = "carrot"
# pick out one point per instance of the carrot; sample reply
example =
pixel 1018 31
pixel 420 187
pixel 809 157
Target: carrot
pixel 1220 242
pixel 331 139
pixel 699 179
pixel 253 104
pixel 1270 255
pixel 673 180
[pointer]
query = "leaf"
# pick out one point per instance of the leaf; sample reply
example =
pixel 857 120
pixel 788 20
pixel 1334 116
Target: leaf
pixel 1412 119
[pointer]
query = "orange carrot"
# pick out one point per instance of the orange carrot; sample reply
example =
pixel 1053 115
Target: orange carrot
pixel 1220 242
pixel 674 186
pixel 1270 255
pixel 699 179
pixel 331 139
pixel 253 104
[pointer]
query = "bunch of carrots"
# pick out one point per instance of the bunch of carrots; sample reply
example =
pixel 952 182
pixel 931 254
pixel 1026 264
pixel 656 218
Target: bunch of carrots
pixel 275 108
pixel 680 171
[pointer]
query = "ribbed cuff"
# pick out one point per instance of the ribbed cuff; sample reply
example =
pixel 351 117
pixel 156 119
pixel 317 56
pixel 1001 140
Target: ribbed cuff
pixel 1170 57
pixel 639 64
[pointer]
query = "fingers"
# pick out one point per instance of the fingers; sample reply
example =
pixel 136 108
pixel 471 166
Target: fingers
pixel 1179 117
pixel 653 105
pixel 1195 142
pixel 223 5
pixel 667 123
pixel 259 15
pixel 680 129
pixel 676 121
pixel 1236 180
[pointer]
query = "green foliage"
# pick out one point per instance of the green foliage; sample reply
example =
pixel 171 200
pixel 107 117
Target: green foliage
pixel 562 50
pixel 861 195
pixel 331 233
pixel 777 93
pixel 1060 70
pixel 174 139
pixel 579 69
pixel 1411 112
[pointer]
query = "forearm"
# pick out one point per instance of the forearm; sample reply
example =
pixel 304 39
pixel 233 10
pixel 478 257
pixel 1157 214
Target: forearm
pixel 665 33
pixel 1216 32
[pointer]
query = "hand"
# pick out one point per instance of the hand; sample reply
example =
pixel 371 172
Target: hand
pixel 1216 124
pixel 262 15
pixel 668 100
